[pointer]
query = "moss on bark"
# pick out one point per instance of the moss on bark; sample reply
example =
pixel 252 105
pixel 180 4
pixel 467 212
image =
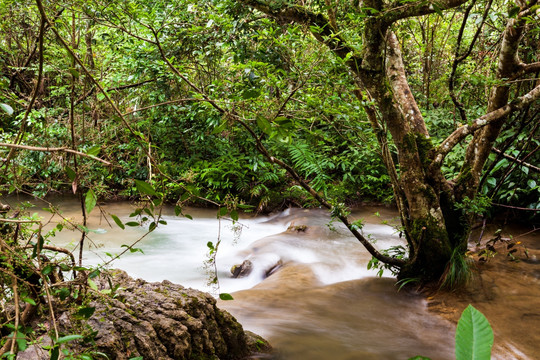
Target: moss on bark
pixel 433 250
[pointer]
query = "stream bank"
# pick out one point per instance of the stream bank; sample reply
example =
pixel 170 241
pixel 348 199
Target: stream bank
pixel 505 287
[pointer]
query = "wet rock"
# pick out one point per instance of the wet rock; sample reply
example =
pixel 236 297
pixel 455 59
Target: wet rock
pixel 163 321
pixel 297 228
pixel 274 268
pixel 242 270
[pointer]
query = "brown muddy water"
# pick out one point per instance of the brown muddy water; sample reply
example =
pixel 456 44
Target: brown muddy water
pixel 322 303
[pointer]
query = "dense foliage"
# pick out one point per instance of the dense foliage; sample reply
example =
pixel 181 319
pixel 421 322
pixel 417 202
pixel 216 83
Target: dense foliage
pixel 275 75
pixel 258 105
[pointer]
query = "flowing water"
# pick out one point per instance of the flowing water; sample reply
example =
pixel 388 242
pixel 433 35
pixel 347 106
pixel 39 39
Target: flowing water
pixel 322 302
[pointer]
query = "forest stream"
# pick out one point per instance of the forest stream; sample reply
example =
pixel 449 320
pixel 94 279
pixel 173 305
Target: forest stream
pixel 321 301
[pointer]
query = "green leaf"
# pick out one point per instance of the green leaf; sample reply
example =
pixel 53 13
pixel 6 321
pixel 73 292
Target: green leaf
pixel 118 222
pixel 491 181
pixel 474 336
pixel 132 223
pixel 222 212
pixel 531 183
pixel 63 293
pixel 92 284
pixel 90 201
pixel 419 358
pixel 29 301
pixel 86 312
pixel 145 188
pixel 70 173
pixel 189 216
pixel 284 122
pixel 251 94
pixel 68 338
pixel 81 268
pixel 6 108
pixel 177 210
pixel 47 270
pixel 225 296
pixel 221 126
pixel 94 150
pixel 152 226
pixel 264 125
pixel 94 273
pixel 234 215
pixel 21 341
pixel 74 72
pixel 437 9
pixel 133 250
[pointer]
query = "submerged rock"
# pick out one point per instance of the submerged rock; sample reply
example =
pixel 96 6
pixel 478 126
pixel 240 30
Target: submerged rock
pixel 163 321
pixel 242 270
pixel 246 268
pixel 274 268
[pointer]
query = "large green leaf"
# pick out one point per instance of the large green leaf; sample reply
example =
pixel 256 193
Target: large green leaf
pixel 90 201
pixel 7 108
pixel 145 188
pixel 225 296
pixel 68 338
pixel 474 336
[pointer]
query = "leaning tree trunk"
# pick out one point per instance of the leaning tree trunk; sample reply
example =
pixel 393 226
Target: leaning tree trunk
pixel 509 67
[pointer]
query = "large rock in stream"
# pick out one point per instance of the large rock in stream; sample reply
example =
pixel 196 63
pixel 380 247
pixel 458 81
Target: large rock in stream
pixel 162 321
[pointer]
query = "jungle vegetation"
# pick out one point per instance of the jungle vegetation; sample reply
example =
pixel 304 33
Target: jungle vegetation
pixel 261 104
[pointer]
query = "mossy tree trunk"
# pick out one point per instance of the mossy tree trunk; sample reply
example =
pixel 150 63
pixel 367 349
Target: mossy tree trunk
pixel 435 230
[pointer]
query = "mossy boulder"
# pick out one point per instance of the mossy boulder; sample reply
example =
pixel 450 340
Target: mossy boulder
pixel 161 320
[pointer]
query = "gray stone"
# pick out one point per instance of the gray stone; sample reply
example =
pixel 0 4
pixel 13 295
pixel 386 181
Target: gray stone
pixel 163 321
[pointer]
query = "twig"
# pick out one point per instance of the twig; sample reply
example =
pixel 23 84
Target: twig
pixel 515 207
pixel 521 162
pixel 129 86
pixel 161 104
pixel 20 221
pixel 55 149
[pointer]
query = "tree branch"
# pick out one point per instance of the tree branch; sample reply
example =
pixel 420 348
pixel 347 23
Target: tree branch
pixel 54 149
pixel 462 132
pixel 418 8
pixel 520 162
pixel 319 25
pixel 459 58
pixel 161 104
pixel 129 86
pixel 525 69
